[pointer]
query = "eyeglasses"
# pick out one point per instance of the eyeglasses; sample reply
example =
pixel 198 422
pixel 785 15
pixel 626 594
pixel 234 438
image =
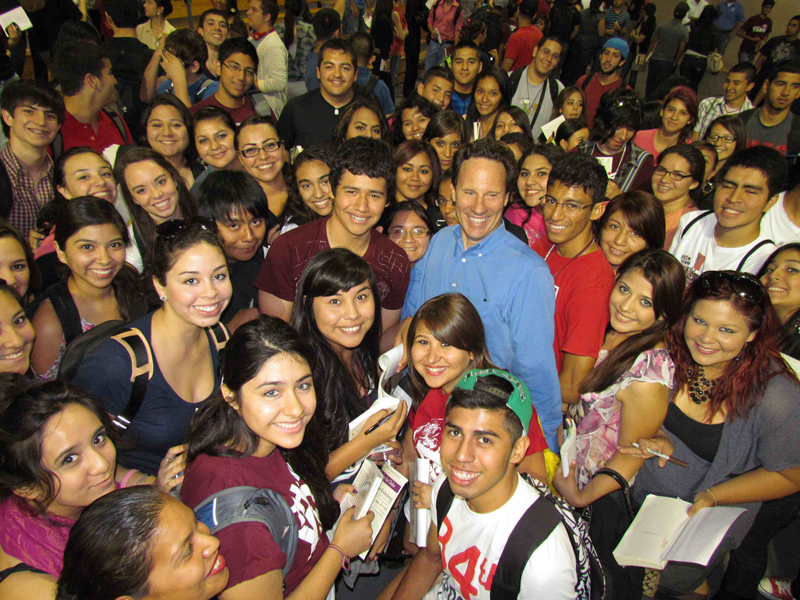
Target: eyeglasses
pixel 442 201
pixel 238 69
pixel 398 233
pixel 570 208
pixel 674 175
pixel 172 229
pixel 725 138
pixel 268 147
pixel 743 285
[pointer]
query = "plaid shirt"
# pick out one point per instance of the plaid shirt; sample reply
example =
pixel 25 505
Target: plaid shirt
pixel 305 40
pixel 28 198
pixel 711 108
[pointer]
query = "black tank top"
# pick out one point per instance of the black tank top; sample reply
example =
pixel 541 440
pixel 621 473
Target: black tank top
pixel 20 568
pixel 701 438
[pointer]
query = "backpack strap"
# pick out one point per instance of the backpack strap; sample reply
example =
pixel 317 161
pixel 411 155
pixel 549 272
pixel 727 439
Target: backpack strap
pixel 553 89
pixel 119 123
pixel 371 83
pixel 533 528
pixel 66 311
pixel 587 80
pixel 444 500
pixel 691 223
pixel 752 251
pixel 203 86
pixel 141 356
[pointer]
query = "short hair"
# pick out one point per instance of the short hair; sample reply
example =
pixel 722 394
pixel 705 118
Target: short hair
pixel 787 66
pixel 364 156
pixel 326 22
pixel 490 150
pixel 336 45
pixel 483 400
pixel 110 548
pixel 188 46
pixel 550 38
pixel 438 71
pixel 618 108
pixel 211 11
pixel 31 92
pixel 767 3
pixel 363 46
pixel 466 44
pixel 124 13
pixel 681 10
pixel 237 45
pixel 769 161
pixel 577 169
pixel 644 214
pixel 77 31
pixel 529 8
pixel 271 9
pixel 422 104
pixel 73 61
pixel 748 69
pixel 224 192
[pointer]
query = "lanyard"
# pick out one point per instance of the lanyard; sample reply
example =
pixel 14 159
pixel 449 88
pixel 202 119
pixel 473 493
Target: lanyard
pixel 585 248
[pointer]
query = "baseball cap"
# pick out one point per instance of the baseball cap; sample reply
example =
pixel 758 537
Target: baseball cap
pixel 618 44
pixel 519 401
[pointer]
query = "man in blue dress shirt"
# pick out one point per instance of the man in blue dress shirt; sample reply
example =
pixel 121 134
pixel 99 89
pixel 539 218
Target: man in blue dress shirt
pixel 509 284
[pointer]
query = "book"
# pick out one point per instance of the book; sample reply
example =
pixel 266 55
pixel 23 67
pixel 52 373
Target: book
pixel 16 15
pixel 549 129
pixel 662 531
pixel 377 490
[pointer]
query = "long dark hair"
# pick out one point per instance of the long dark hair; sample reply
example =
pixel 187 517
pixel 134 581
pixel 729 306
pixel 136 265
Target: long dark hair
pixel 35 280
pixel 295 10
pixel 26 407
pixel 452 319
pixel 411 148
pixel 444 123
pixel 359 102
pixel 696 162
pixel 503 82
pixel 109 551
pixel 666 276
pixel 742 383
pixel 170 100
pixel 295 210
pixel 327 274
pixel 552 154
pixel 644 214
pixel 789 332
pixel 423 105
pixel 733 125
pixel 144 228
pixel 219 430
pixel 85 212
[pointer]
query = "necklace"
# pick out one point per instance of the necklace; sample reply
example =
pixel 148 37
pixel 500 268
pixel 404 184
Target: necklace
pixel 585 248
pixel 700 388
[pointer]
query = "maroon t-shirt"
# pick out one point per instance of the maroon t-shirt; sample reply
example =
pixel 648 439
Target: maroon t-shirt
pixel 248 548
pixel 594 91
pixel 583 287
pixel 287 258
pixel 238 114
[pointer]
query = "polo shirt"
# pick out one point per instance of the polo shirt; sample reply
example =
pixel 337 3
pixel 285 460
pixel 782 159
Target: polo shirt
pixel 75 133
pixel 237 114
pixel 521 44
pixel 512 290
pixel 728 15
pixel 308 119
pixel 445 20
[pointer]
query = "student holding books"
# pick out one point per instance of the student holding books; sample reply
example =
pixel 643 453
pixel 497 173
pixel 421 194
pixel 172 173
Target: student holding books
pixel 733 414
pixel 259 432
pixel 623 398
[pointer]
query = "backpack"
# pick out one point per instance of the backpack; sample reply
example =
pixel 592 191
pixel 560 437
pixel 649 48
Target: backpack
pixel 532 529
pixel 561 19
pixel 247 504
pixel 128 73
pixel 752 250
pixel 64 307
pixel 368 89
pixel 57 147
pixel 138 348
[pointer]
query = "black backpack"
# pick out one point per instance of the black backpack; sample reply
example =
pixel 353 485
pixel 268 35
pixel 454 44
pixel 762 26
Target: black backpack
pixel 128 72
pixel 532 529
pixel 247 504
pixel 368 89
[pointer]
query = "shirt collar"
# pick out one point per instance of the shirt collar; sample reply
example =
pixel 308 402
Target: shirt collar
pixel 490 242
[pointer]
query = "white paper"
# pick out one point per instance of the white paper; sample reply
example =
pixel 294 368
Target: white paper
pixel 18 16
pixel 422 515
pixel 368 20
pixel 702 534
pixel 607 162
pixel 388 363
pixel 569 449
pixel 549 129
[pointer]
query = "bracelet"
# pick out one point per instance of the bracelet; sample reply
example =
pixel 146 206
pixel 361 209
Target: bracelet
pixel 712 495
pixel 345 558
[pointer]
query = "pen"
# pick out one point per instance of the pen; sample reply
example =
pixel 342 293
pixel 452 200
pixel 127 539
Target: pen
pixel 381 422
pixel 678 462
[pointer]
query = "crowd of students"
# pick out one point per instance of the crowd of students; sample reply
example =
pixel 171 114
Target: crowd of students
pixel 205 310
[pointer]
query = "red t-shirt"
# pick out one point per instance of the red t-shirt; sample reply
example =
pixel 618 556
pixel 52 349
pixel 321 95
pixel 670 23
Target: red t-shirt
pixel 287 258
pixel 74 133
pixel 521 44
pixel 427 427
pixel 248 548
pixel 594 91
pixel 238 114
pixel 583 287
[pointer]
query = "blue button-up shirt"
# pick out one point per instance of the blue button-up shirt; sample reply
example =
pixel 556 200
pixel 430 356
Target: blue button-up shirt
pixel 728 15
pixel 512 289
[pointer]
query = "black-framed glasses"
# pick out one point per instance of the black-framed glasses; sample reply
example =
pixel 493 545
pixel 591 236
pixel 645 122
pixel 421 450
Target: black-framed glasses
pixel 267 147
pixel 442 201
pixel 728 139
pixel 674 175
pixel 238 69
pixel 744 285
pixel 570 208
pixel 171 229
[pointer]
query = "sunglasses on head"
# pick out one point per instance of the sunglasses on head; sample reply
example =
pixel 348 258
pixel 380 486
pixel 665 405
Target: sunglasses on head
pixel 171 229
pixel 743 285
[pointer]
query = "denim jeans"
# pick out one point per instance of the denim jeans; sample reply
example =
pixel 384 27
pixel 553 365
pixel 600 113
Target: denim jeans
pixel 435 54
pixel 723 37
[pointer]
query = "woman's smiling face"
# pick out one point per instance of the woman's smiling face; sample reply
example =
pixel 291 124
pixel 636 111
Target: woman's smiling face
pixel 487 96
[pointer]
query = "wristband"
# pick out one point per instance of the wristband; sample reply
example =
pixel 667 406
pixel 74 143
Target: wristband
pixel 345 558
pixel 712 495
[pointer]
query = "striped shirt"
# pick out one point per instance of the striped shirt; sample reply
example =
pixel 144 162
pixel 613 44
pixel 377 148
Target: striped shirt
pixel 711 108
pixel 29 198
